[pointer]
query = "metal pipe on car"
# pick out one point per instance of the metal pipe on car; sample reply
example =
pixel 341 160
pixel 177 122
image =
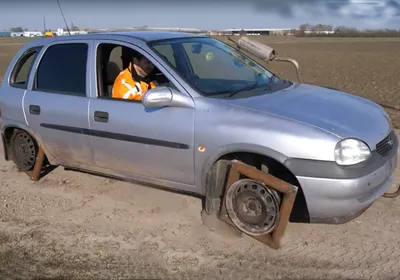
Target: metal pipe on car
pixel 263 52
pixel 393 194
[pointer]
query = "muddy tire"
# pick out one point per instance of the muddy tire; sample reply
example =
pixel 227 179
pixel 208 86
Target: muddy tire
pixel 23 149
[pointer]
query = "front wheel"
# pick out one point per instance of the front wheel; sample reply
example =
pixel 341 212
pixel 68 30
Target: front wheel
pixel 253 207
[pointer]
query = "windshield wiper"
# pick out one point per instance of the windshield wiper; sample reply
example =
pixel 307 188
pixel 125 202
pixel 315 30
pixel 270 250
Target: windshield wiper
pixel 244 89
pixel 270 81
pixel 272 78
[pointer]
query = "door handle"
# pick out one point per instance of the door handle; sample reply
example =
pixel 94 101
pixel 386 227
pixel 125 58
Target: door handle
pixel 100 116
pixel 34 109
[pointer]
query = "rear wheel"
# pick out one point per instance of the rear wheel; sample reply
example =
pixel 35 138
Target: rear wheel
pixel 23 150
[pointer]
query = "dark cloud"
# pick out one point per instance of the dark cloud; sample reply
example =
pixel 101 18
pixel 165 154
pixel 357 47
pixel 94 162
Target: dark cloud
pixel 395 5
pixel 288 7
pixel 378 8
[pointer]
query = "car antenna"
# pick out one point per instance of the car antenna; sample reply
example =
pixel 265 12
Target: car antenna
pixel 66 25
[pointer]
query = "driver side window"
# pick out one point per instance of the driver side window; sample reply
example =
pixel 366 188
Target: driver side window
pixel 115 73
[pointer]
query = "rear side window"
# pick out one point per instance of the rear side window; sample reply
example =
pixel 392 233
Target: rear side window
pixel 62 69
pixel 22 69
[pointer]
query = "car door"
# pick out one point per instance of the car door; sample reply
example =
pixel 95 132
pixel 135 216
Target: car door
pixel 56 101
pixel 131 139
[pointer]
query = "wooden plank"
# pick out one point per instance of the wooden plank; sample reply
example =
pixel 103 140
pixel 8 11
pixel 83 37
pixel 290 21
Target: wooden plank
pixel 289 195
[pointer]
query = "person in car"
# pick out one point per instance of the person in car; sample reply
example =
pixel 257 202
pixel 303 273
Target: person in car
pixel 134 81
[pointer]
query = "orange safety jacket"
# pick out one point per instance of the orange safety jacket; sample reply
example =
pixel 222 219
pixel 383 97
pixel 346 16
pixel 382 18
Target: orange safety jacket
pixel 129 85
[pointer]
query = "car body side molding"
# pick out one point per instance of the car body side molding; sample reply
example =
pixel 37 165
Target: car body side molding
pixel 117 136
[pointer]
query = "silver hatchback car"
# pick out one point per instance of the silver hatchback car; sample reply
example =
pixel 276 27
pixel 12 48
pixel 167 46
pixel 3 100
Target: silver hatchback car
pixel 213 105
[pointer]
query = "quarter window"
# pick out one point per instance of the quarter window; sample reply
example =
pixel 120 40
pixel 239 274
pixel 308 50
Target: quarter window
pixel 22 69
pixel 63 69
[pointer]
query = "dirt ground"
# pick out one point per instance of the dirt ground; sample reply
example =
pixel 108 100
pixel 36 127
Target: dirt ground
pixel 72 225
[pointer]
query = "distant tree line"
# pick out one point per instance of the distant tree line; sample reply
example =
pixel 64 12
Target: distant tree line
pixel 18 29
pixel 325 30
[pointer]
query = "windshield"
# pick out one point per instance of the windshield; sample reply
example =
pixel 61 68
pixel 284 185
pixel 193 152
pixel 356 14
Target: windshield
pixel 214 68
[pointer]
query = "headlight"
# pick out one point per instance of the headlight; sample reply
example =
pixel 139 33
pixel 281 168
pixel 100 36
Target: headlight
pixel 351 151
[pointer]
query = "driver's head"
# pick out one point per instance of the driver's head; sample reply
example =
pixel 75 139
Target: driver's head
pixel 142 65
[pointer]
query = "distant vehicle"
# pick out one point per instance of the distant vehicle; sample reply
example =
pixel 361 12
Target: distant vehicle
pixel 49 34
pixel 17 34
pixel 213 105
pixel 32 34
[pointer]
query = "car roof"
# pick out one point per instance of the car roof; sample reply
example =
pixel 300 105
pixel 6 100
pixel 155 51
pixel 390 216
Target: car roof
pixel 145 36
pixel 156 35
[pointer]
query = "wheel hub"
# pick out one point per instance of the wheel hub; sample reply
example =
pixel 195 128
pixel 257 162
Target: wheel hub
pixel 253 207
pixel 249 208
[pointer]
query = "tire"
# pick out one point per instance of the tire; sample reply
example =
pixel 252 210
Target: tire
pixel 253 207
pixel 23 149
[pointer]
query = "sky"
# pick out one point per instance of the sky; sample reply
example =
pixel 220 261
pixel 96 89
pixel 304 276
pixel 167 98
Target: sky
pixel 202 14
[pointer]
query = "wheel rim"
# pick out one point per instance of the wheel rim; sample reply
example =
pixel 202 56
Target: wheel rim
pixel 24 151
pixel 252 207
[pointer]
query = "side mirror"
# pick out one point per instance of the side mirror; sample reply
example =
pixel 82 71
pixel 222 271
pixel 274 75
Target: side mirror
pixel 157 97
pixel 166 97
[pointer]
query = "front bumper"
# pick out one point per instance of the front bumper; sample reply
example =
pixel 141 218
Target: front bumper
pixel 336 195
pixel 337 201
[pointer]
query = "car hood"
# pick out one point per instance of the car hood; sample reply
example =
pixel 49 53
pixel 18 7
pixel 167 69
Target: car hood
pixel 339 113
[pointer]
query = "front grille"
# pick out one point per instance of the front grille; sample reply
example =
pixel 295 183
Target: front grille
pixel 386 145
